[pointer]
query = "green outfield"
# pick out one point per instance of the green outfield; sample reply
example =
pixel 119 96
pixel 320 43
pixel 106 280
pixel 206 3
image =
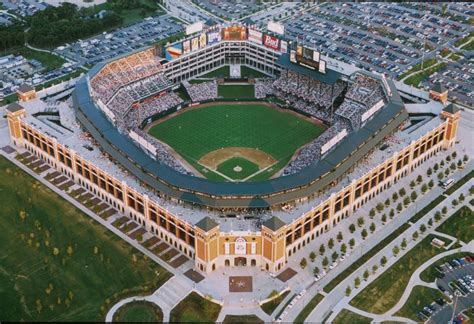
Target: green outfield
pixel 236 91
pixel 232 142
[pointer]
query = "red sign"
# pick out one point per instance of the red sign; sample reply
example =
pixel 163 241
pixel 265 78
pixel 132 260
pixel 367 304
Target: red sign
pixel 271 42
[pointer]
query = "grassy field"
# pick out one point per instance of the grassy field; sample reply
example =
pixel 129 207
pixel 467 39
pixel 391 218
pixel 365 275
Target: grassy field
pixel 416 78
pixel 246 72
pixel 139 311
pixel 196 132
pixel 308 308
pixel 56 262
pixel 223 71
pixel 363 259
pixel 49 61
pixel 346 316
pixel 231 168
pixel 269 307
pixel 236 91
pixel 419 297
pixel 383 293
pixel 460 225
pixel 430 273
pixel 194 308
pixel 242 319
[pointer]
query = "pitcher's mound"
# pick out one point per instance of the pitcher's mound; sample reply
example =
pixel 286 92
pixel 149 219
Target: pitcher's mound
pixel 238 168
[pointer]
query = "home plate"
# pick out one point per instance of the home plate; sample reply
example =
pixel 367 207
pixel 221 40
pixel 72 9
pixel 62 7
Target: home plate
pixel 237 168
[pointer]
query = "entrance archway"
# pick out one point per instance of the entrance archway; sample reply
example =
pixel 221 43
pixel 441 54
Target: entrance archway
pixel 240 261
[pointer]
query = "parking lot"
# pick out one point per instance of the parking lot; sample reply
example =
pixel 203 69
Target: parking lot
pixel 452 273
pixel 91 51
pixel 384 37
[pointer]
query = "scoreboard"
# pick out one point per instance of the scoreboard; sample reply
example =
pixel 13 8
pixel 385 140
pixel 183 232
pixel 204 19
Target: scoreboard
pixel 308 57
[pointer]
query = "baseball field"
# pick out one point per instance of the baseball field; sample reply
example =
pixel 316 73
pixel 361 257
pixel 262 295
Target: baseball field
pixel 236 141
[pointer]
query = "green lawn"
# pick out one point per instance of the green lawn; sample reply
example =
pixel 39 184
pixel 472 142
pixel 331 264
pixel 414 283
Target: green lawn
pixel 346 316
pixel 363 259
pixel 460 225
pixel 223 71
pixel 308 308
pixel 195 308
pixel 196 132
pixel 236 91
pixel 416 78
pixel 430 273
pixel 419 297
pixel 246 72
pixel 383 293
pixel 49 61
pixel 426 64
pixel 242 319
pixel 230 168
pixel 139 311
pixel 57 264
pixel 269 307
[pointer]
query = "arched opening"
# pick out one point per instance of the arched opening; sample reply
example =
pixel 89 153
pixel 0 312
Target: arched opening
pixel 253 262
pixel 240 261
pixel 227 263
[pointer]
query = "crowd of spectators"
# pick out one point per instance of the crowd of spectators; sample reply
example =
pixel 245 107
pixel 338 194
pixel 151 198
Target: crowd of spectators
pixel 201 91
pixel 264 88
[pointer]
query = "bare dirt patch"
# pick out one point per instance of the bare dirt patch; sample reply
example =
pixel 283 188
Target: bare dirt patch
pixel 213 159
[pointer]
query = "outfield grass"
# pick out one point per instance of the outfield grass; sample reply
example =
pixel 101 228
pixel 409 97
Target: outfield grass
pixel 383 293
pixel 236 91
pixel 196 132
pixel 346 316
pixel 139 312
pixel 460 225
pixel 223 71
pixel 363 259
pixel 430 274
pixel 242 319
pixel 270 306
pixel 195 308
pixel 308 308
pixel 227 168
pixel 420 297
pixel 57 264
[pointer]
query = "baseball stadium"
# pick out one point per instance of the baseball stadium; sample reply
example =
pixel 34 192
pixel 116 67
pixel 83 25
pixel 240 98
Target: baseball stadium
pixel 234 145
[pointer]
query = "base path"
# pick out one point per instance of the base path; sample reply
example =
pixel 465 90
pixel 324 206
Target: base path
pixel 213 159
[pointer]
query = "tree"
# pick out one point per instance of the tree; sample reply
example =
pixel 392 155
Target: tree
pixel 441 163
pixel 55 251
pixel 454 154
pixel 352 228
pixel 424 188
pixel 419 179
pixel 360 221
pixel 364 233
pixel 431 184
pixel 455 202
pixel 325 262
pixel 392 213
pixel 331 243
pixel 383 261
pixel 395 196
pixel 372 227
pixel 387 202
pixel 339 236
pixel 69 250
pixel 399 207
pixel 384 218
pixel 22 215
pixel 471 190
pixel 422 228
pixel 343 248
pixel 465 158
pixel 406 201
pixel 459 164
pixel 413 195
pixel 429 172
pixel 315 271
pixel 436 167
pixel 448 158
pixel 334 256
pixel 322 249
pixel 446 172
pixel 452 166
pixel 366 274
pixel 312 256
pixel 348 291
pixel 374 268
pixel 402 192
pixel 357 282
pixel 412 184
pixel 395 250
pixel 404 243
pixel 437 216
pixel 440 175
pixel 351 243
pixel 430 222
pixel 303 263
pixel 461 197
pixel 415 235
pixel 380 207
pixel 372 213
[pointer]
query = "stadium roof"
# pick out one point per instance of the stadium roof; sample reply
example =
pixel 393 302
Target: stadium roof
pixel 439 87
pixel 206 224
pixel 330 77
pixel 25 88
pixel 451 108
pixel 274 223
pixel 14 107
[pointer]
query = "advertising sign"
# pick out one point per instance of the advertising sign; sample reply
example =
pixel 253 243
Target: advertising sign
pixel 293 56
pixel 195 44
pixel 194 28
pixel 186 46
pixel 271 42
pixel 316 56
pixel 255 36
pixel 283 46
pixel 213 38
pixel 174 51
pixel 322 66
pixel 234 33
pixel 202 41
pixel 276 27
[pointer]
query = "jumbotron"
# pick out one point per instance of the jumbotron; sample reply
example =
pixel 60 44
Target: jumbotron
pixel 171 138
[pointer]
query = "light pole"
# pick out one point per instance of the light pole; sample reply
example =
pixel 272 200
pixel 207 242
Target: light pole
pixel 456 294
